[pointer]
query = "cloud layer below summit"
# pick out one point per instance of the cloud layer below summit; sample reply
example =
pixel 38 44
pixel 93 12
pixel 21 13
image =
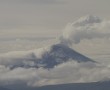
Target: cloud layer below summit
pixel 70 72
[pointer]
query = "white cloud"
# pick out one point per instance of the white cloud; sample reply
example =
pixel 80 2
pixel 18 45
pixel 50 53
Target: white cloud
pixel 89 27
pixel 70 72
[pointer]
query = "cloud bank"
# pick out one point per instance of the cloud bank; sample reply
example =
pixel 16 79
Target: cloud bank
pixel 70 72
pixel 88 27
pixel 25 71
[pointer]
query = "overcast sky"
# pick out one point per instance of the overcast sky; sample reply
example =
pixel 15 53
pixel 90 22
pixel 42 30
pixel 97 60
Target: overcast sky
pixel 19 18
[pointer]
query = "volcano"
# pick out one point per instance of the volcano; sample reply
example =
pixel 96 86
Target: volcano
pixel 59 54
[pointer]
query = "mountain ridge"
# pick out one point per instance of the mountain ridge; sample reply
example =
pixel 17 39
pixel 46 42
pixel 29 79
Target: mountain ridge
pixel 105 85
pixel 60 53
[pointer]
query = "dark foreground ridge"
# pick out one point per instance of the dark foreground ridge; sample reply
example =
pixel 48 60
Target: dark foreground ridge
pixel 83 86
pixel 2 88
pixel 78 86
pixel 73 86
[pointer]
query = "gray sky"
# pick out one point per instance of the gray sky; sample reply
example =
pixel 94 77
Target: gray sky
pixel 20 18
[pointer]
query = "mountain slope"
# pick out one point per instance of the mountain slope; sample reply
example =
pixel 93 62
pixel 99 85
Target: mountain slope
pixel 58 54
pixel 49 58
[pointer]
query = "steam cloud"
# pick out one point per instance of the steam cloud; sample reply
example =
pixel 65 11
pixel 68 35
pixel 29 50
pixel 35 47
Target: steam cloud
pixel 89 27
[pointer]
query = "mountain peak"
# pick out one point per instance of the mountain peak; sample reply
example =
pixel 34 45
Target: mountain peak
pixel 60 53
